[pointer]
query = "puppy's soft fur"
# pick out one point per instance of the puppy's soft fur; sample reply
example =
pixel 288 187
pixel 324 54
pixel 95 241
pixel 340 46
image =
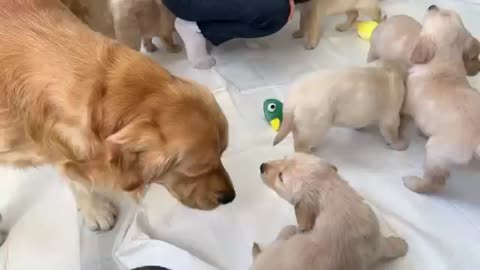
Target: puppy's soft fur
pixel 336 229
pixel 135 20
pixel 440 100
pixel 395 38
pixel 95 13
pixel 313 12
pixel 103 114
pixel 353 97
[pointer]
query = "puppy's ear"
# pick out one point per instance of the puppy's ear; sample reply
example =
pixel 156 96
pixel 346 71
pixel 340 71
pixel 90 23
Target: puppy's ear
pixel 256 250
pixel 306 211
pixel 472 49
pixel 423 50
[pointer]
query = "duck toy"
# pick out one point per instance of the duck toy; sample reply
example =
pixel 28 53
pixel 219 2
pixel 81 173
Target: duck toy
pixel 273 111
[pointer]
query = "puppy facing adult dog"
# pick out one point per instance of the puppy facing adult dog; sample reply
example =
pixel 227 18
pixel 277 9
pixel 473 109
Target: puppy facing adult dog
pixel 336 229
pixel 440 99
pixel 394 39
pixel 313 12
pixel 353 97
pixel 106 116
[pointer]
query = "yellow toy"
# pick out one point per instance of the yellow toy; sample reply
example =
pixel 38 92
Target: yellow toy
pixel 365 29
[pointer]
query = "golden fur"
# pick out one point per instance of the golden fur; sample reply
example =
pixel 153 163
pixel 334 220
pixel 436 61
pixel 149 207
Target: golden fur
pixel 440 100
pixel 103 114
pixel 313 12
pixel 336 229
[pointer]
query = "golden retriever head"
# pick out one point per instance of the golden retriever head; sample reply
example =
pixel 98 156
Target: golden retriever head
pixel 443 33
pixel 168 131
pixel 296 179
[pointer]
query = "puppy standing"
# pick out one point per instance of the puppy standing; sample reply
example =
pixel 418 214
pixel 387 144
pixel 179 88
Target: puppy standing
pixel 353 97
pixel 136 20
pixel 394 39
pixel 313 13
pixel 336 229
pixel 440 100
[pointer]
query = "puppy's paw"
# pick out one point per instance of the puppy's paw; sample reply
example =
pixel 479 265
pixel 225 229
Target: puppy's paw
pixel 419 185
pixel 310 45
pixel 400 145
pixel 398 245
pixel 174 48
pixel 206 63
pixel 150 47
pixel 99 214
pixel 297 34
pixel 343 27
pixel 3 237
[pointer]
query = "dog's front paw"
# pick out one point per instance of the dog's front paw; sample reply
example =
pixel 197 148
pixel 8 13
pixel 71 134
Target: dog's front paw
pixel 400 145
pixel 99 213
pixel 420 185
pixel 297 34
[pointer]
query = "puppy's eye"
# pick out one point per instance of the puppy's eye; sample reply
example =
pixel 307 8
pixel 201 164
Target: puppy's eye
pixel 280 176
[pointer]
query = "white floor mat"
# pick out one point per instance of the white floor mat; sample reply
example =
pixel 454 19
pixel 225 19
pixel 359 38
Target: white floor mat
pixel 443 230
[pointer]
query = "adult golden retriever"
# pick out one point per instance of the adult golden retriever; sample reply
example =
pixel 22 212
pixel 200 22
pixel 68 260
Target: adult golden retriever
pixel 103 114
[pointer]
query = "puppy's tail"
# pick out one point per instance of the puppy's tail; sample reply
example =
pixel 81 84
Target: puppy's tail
pixel 286 126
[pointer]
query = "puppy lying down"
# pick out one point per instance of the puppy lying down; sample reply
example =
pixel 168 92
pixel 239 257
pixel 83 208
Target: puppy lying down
pixel 395 38
pixel 336 229
pixel 354 97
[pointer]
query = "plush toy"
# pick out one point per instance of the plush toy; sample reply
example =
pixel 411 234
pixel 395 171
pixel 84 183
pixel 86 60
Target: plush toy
pixel 273 110
pixel 365 29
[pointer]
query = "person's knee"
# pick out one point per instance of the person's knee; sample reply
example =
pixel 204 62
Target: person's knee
pixel 271 14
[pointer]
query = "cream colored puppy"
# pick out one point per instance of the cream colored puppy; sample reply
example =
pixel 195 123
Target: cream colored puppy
pixel 353 97
pixel 336 229
pixel 313 12
pixel 440 100
pixel 395 38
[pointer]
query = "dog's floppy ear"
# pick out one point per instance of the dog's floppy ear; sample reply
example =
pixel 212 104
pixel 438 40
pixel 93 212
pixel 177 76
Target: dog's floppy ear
pixel 140 137
pixel 423 50
pixel 306 211
pixel 256 250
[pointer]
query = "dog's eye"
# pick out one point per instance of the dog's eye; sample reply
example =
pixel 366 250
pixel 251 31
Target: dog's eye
pixel 280 176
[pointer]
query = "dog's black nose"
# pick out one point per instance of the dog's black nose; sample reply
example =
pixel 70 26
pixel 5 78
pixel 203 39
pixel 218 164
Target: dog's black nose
pixel 226 198
pixel 262 168
pixel 433 7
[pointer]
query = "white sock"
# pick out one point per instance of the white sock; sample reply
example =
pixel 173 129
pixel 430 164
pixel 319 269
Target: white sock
pixel 195 44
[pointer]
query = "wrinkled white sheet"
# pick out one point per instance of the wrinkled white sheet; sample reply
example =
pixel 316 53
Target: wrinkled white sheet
pixel 443 230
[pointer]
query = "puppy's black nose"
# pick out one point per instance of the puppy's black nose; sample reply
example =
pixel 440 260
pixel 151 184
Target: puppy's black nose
pixel 433 7
pixel 262 167
pixel 226 198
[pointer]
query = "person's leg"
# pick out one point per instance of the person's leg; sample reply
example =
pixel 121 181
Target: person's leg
pixel 221 20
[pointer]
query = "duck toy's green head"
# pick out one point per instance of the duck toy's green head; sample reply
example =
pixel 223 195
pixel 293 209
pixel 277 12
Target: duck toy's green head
pixel 273 110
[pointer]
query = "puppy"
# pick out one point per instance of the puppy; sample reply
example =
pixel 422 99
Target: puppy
pixel 336 229
pixel 394 39
pixel 106 116
pixel 312 14
pixel 95 13
pixel 440 100
pixel 354 97
pixel 137 20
